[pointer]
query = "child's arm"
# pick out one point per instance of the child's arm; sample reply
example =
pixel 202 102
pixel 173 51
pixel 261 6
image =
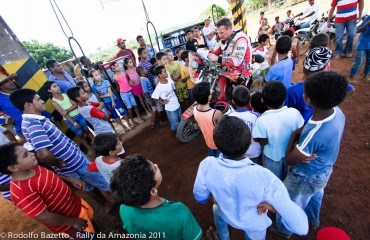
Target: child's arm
pixel 65 113
pixel 217 117
pixel 148 97
pixel 9 135
pixel 362 28
pixel 293 155
pixel 200 191
pixel 273 57
pixel 259 132
pixel 50 218
pixel 185 74
pixel 77 183
pixel 162 102
pixel 95 111
pixel 45 156
pixel 111 97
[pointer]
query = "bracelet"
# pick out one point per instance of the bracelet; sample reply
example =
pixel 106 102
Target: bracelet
pixel 75 124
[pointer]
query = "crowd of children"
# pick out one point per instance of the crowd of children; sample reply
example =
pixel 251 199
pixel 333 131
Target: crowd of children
pixel 286 164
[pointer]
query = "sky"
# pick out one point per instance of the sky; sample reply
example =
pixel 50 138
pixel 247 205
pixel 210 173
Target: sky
pixel 94 26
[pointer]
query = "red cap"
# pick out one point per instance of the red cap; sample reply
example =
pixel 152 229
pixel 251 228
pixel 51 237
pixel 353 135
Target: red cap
pixel 291 29
pixel 120 40
pixel 332 233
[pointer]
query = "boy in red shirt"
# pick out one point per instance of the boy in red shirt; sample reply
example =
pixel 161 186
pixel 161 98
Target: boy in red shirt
pixel 42 195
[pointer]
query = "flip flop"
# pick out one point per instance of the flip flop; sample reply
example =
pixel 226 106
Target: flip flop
pixel 211 234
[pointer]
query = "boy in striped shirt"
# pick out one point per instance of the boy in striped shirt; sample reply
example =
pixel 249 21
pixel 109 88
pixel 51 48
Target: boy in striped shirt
pixel 42 195
pixel 51 145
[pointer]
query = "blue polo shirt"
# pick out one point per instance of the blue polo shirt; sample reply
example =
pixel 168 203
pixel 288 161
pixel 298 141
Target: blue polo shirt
pixel 363 42
pixel 62 83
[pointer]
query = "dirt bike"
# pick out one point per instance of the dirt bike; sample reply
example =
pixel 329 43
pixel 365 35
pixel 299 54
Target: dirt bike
pixel 201 70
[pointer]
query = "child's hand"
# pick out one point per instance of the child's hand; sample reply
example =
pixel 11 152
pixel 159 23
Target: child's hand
pixel 263 207
pixel 77 183
pixel 76 125
pixel 165 101
pixel 132 83
pixel 80 224
pixel 309 158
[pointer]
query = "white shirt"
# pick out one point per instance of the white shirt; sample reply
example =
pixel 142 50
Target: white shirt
pixel 250 119
pixel 310 9
pixel 105 168
pixel 167 92
pixel 207 30
pixel 239 186
pixel 277 126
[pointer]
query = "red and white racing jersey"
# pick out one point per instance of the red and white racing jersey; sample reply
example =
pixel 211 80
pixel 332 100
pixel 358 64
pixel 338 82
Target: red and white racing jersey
pixel 237 55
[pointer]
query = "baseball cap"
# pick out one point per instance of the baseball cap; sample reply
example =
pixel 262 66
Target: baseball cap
pixel 317 59
pixel 5 77
pixel 119 40
pixel 332 233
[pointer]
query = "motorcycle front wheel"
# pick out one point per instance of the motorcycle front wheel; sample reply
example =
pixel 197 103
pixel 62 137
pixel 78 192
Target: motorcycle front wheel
pixel 187 130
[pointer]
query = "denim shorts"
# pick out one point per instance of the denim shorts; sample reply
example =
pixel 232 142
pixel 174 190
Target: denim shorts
pixel 80 120
pixel 119 108
pixel 157 107
pixel 128 99
pixel 92 179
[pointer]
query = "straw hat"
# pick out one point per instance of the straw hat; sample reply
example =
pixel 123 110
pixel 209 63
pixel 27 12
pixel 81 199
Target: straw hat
pixel 3 78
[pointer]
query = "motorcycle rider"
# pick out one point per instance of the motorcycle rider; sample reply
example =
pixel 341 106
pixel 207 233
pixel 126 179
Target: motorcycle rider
pixel 234 50
pixel 312 13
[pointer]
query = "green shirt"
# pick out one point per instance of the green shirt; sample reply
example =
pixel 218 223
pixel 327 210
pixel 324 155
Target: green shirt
pixel 170 220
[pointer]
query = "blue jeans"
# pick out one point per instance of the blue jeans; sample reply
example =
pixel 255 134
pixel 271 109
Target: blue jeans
pixel 305 25
pixel 213 152
pixel 279 168
pixel 350 27
pixel 223 231
pixel 307 191
pixel 92 179
pixel 357 62
pixel 174 118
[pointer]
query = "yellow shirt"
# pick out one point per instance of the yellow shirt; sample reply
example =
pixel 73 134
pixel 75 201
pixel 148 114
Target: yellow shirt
pixel 186 75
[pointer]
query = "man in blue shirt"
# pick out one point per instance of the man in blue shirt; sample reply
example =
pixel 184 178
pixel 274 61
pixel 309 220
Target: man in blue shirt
pixel 282 70
pixel 58 75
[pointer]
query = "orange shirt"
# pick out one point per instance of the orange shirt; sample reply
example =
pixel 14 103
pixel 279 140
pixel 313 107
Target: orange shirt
pixel 205 120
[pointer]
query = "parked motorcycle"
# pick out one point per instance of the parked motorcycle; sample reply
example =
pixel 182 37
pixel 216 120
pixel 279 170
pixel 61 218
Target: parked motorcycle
pixel 201 70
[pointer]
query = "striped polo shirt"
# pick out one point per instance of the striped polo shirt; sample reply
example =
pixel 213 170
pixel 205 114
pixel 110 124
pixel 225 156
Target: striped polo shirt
pixel 4 180
pixel 45 190
pixel 346 10
pixel 42 133
pixel 147 66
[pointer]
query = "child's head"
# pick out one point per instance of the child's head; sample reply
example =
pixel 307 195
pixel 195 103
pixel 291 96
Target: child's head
pixel 178 53
pixel 288 32
pixel 169 54
pixel 319 40
pixel 185 56
pixel 283 44
pixel 189 34
pixel 241 96
pixel 84 85
pixel 232 137
pixel 15 158
pixel 273 94
pixel 142 53
pixel 128 63
pixel 262 14
pixel 316 60
pixel 140 40
pixel 289 12
pixel 141 71
pixel 96 76
pixel 196 31
pixel 136 181
pixel 77 94
pixel 51 88
pixel 161 58
pixel 276 19
pixel 201 92
pixel 27 100
pixel 107 144
pixel 115 66
pixel 325 89
pixel 257 104
pixel 160 72
pixel 262 39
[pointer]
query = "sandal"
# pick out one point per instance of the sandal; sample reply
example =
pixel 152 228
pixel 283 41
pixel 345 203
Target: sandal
pixel 211 234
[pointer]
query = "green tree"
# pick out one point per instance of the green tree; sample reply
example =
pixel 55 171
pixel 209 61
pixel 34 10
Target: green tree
pixel 208 12
pixel 42 52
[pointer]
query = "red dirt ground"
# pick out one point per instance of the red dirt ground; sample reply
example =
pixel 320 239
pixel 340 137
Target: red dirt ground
pixel 346 201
